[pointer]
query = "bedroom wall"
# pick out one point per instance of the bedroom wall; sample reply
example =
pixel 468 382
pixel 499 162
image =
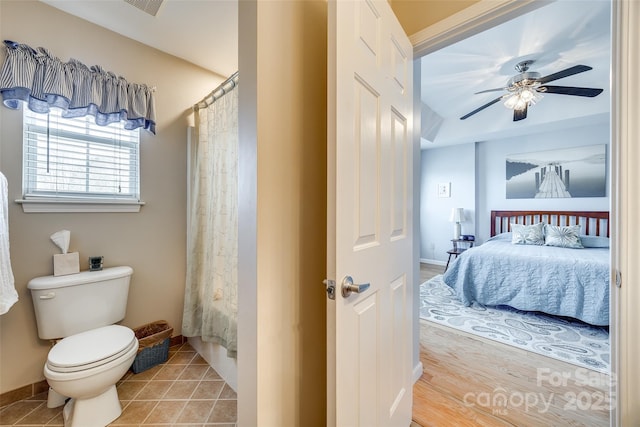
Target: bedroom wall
pixel 477 176
pixel 151 241
pixel 455 165
pixel 491 157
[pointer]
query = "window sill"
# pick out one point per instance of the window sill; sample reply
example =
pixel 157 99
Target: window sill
pixel 78 206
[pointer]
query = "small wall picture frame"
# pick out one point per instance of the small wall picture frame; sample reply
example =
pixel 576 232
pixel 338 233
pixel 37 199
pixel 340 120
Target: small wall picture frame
pixel 444 189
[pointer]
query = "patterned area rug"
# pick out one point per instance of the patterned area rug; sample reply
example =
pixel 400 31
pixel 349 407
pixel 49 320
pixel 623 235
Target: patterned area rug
pixel 565 339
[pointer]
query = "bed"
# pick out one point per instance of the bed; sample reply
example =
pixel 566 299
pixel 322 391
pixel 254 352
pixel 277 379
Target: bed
pixel 570 282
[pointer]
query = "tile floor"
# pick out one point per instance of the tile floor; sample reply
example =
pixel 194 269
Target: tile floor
pixel 184 391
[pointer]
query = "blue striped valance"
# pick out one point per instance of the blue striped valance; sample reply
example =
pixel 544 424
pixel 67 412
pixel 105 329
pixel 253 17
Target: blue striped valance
pixel 41 80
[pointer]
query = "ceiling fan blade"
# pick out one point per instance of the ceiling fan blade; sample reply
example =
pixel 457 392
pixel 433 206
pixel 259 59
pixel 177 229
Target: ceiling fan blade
pixel 491 90
pixel 488 104
pixel 576 69
pixel 520 114
pixel 569 90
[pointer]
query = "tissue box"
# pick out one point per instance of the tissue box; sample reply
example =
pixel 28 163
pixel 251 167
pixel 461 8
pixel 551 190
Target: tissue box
pixel 66 264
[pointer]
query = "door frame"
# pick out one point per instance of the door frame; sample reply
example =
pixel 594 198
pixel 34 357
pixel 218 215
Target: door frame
pixel 624 154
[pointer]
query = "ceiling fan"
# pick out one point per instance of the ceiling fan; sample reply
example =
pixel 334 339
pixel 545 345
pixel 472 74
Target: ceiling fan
pixel 527 87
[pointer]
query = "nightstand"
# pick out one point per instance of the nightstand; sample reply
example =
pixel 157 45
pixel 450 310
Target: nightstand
pixel 459 246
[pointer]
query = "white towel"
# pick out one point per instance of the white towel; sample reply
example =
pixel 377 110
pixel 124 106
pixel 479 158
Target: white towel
pixel 8 294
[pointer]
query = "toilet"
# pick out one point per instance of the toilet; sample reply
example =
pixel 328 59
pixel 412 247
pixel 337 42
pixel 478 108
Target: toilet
pixel 93 352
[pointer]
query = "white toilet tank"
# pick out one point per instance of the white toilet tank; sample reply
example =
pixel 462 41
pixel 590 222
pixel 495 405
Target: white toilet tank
pixel 67 305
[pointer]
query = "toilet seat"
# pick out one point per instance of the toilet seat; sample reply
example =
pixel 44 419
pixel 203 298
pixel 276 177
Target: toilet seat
pixel 91 349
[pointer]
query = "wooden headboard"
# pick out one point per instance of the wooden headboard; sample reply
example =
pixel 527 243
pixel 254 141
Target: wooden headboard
pixel 594 223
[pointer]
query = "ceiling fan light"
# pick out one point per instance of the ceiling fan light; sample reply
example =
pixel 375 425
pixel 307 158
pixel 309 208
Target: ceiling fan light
pixel 526 89
pixel 521 104
pixel 537 96
pixel 526 95
pixel 515 101
pixel 511 101
pixel 521 98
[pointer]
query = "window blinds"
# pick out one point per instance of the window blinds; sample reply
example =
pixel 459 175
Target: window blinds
pixel 71 158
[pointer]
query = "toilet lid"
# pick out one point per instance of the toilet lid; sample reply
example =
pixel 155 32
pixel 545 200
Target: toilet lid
pixel 91 348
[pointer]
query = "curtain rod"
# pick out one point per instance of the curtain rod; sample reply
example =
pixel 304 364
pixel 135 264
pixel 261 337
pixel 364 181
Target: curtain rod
pixel 218 92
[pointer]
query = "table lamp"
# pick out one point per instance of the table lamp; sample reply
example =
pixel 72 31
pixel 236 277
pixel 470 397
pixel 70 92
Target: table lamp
pixel 457 216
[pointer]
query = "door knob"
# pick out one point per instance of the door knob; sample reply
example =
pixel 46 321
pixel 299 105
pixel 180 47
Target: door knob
pixel 349 287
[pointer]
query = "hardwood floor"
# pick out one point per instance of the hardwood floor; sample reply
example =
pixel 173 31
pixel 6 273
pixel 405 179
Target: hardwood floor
pixel 428 271
pixel 469 381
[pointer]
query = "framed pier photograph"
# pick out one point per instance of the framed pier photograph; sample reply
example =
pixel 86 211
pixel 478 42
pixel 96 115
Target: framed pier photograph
pixel 568 172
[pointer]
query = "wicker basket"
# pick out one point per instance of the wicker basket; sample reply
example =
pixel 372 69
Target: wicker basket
pixel 153 340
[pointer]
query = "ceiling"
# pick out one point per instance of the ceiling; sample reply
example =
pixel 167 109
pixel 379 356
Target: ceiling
pixel 556 37
pixel 203 32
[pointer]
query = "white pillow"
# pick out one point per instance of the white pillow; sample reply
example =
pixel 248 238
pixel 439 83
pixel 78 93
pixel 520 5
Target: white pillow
pixel 564 237
pixel 527 234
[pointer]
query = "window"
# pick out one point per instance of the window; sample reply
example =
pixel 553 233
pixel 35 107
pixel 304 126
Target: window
pixel 72 164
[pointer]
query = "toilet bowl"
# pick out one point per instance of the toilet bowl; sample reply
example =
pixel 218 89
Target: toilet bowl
pixel 85 367
pixel 94 352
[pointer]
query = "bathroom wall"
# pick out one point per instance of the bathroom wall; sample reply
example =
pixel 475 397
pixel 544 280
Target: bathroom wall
pixel 151 241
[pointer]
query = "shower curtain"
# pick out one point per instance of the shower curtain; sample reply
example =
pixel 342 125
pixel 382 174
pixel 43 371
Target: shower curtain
pixel 210 306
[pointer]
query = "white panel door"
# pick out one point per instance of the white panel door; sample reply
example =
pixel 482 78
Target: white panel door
pixel 369 178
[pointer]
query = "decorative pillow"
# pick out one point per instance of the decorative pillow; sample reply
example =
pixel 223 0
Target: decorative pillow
pixel 527 234
pixel 594 241
pixel 564 237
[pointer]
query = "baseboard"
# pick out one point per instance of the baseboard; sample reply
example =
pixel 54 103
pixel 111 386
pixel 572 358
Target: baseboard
pixel 31 390
pixel 417 372
pixel 178 340
pixel 22 393
pixel 432 261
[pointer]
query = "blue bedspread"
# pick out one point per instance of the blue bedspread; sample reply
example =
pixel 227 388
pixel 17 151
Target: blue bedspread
pixel 553 280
